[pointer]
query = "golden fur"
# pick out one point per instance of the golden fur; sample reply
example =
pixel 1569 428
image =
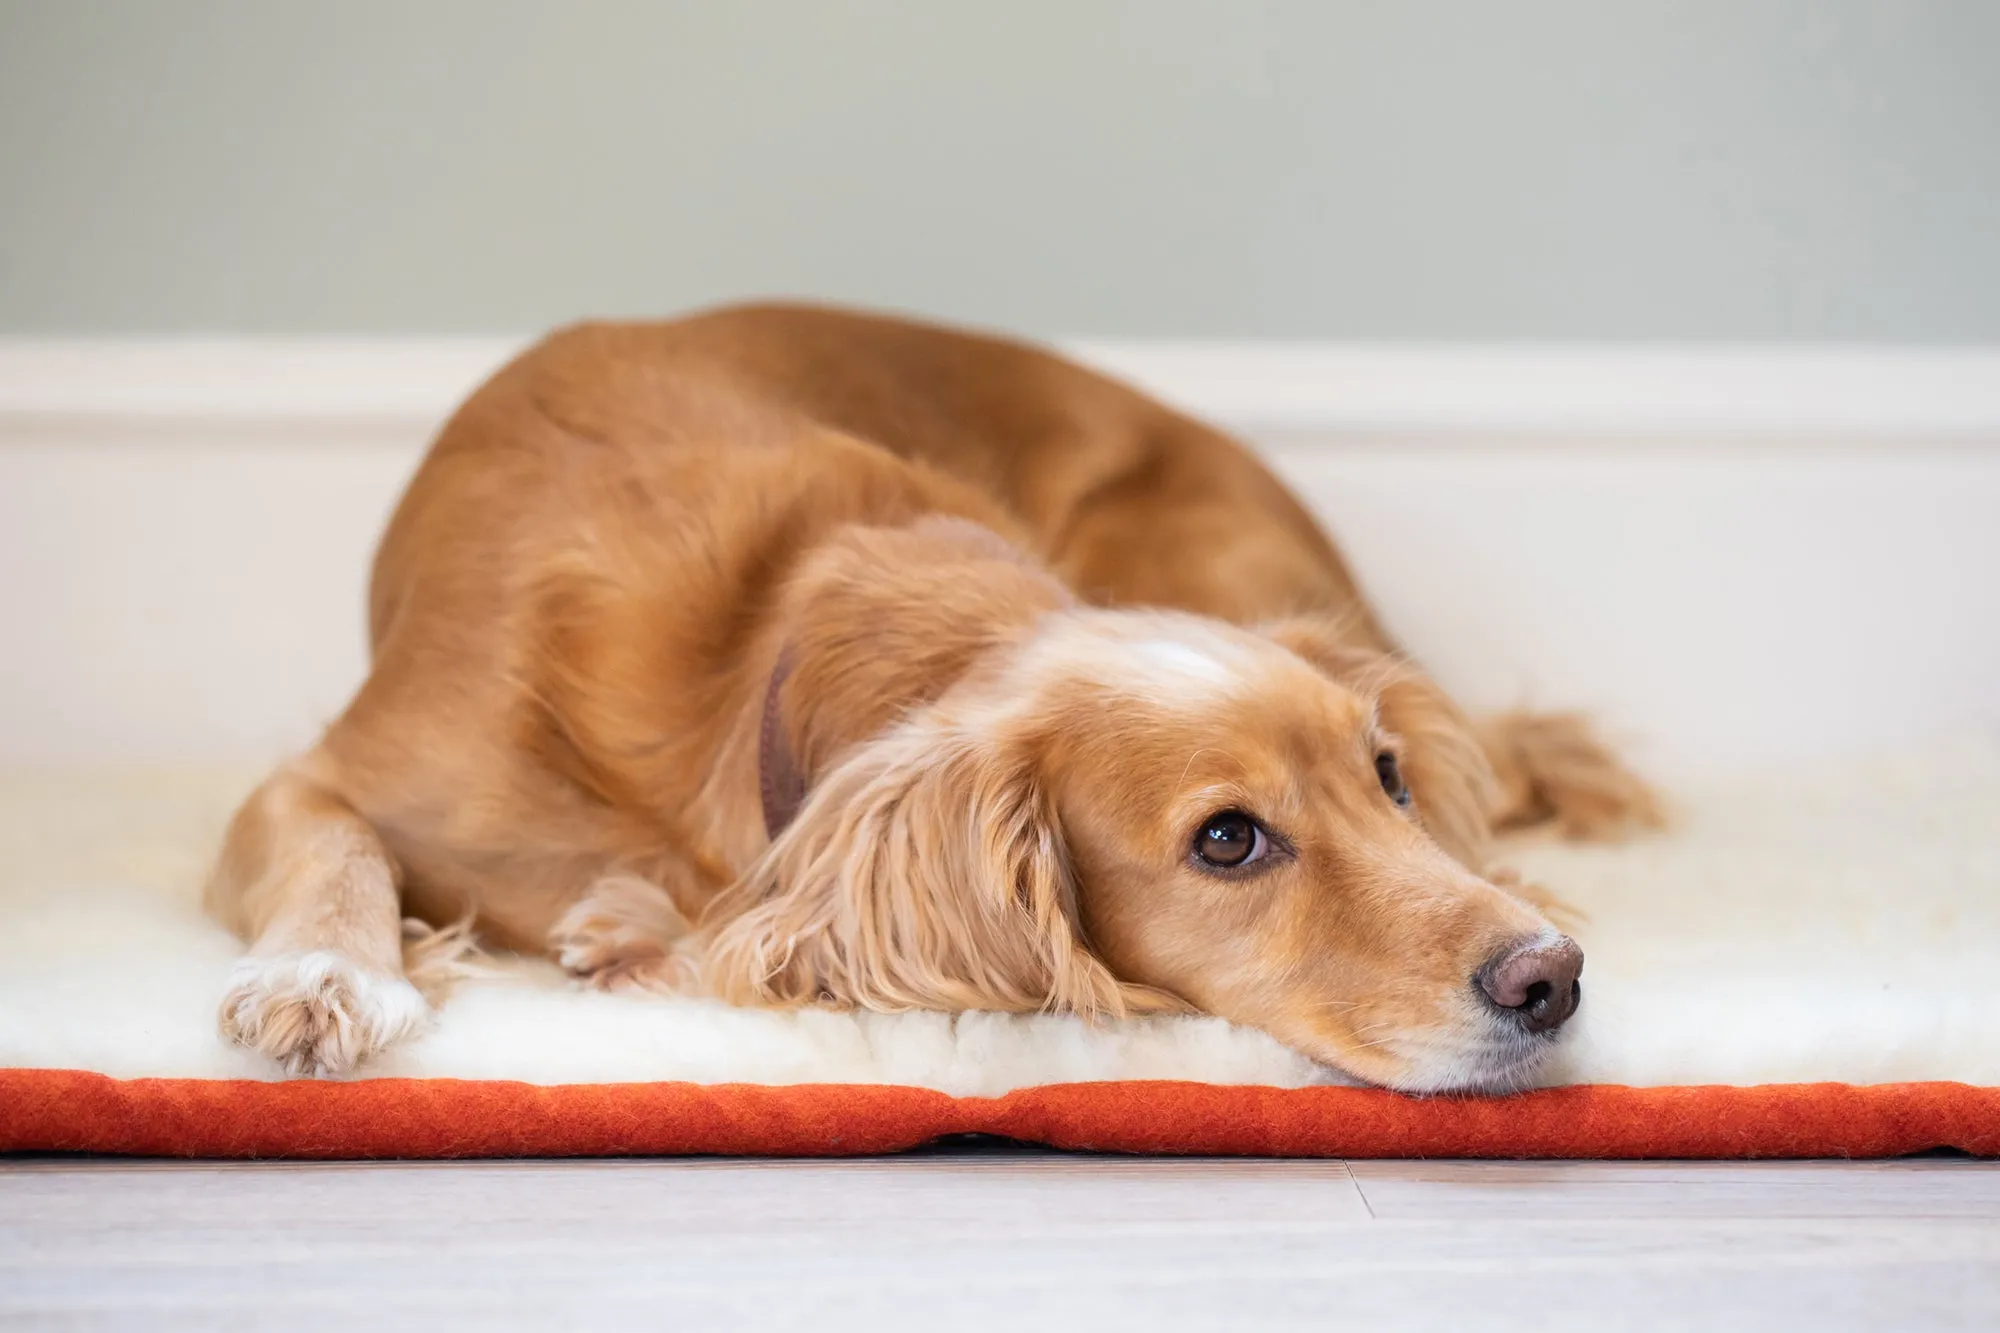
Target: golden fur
pixel 1038 629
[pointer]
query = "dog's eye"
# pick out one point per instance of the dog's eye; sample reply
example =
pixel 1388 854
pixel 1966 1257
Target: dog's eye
pixel 1391 775
pixel 1229 840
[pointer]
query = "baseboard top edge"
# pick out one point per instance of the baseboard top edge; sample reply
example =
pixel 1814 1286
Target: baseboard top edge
pixel 1293 389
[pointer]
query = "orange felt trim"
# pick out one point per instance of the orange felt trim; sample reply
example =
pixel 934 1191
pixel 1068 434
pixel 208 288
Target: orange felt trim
pixel 44 1110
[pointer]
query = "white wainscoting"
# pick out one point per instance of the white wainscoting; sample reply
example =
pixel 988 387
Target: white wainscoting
pixel 1733 555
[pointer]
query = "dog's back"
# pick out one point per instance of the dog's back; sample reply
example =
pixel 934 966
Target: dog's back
pixel 1129 502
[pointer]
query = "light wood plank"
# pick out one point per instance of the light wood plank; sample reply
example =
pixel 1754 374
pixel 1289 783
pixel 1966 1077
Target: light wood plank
pixel 996 1240
pixel 1520 1191
pixel 706 1197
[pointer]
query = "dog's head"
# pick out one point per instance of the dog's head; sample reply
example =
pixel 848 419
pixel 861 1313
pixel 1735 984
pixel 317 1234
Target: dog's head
pixel 1138 811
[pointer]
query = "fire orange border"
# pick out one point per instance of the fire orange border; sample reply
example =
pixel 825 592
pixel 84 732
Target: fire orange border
pixel 46 1110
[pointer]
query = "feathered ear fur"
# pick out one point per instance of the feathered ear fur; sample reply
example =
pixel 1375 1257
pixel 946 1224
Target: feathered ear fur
pixel 926 871
pixel 1443 761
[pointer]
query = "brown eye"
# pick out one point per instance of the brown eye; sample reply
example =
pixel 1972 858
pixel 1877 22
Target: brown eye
pixel 1229 840
pixel 1391 775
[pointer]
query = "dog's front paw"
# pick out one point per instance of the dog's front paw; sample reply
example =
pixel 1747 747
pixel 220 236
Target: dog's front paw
pixel 624 934
pixel 318 1013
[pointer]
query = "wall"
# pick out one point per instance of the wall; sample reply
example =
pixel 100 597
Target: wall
pixel 1734 559
pixel 1734 554
pixel 1544 169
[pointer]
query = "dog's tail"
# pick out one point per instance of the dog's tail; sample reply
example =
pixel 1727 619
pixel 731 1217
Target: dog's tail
pixel 1554 769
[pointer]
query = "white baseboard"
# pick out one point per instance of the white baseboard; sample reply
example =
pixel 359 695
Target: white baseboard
pixel 1733 554
pixel 1290 388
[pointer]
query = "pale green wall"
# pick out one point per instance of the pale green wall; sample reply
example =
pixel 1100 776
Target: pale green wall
pixel 1699 169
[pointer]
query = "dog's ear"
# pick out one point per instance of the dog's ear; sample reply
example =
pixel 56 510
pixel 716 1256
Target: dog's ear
pixel 1443 761
pixel 925 871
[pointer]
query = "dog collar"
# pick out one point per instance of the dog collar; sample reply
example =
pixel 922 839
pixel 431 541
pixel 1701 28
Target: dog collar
pixel 779 781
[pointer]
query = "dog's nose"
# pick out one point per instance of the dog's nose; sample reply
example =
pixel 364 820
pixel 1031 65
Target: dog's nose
pixel 1536 980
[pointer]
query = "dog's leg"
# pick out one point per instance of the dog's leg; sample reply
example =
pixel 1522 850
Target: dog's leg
pixel 1552 768
pixel 309 884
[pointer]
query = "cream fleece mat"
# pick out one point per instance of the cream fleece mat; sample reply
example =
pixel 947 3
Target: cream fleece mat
pixel 1839 923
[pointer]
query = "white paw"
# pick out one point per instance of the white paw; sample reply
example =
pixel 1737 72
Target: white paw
pixel 318 1012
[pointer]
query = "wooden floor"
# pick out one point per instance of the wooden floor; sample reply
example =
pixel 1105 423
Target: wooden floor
pixel 1000 1238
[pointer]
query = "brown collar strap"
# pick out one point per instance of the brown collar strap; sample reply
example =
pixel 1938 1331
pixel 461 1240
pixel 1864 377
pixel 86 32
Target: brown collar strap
pixel 779 780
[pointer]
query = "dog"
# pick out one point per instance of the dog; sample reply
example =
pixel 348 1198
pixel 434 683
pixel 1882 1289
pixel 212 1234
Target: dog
pixel 799 656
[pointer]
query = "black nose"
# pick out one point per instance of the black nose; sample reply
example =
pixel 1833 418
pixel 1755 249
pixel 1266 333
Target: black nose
pixel 1536 981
